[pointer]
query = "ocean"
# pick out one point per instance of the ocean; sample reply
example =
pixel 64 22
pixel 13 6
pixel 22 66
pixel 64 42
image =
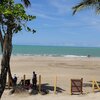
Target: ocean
pixel 63 51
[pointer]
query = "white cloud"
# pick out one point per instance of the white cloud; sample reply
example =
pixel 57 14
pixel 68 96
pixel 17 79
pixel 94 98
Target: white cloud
pixel 43 15
pixel 93 21
pixel 62 6
pixel 39 11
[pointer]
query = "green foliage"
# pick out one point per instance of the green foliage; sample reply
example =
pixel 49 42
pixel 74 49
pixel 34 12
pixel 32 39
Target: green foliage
pixel 26 2
pixel 87 4
pixel 14 16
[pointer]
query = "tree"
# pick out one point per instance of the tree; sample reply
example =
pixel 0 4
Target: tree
pixel 26 3
pixel 87 4
pixel 13 19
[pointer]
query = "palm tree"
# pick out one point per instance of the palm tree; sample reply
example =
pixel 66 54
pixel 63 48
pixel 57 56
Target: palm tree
pixel 26 2
pixel 13 18
pixel 87 4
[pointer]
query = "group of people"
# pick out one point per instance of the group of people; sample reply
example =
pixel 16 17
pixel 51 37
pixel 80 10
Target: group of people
pixel 34 80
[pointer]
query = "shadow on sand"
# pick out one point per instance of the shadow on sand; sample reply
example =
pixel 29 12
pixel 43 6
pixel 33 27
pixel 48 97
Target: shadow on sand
pixel 47 87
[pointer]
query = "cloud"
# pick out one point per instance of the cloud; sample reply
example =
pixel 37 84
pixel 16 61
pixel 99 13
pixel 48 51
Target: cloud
pixel 55 11
pixel 40 10
pixel 44 16
pixel 62 6
pixel 51 8
pixel 93 21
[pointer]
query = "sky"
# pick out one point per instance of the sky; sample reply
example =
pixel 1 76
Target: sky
pixel 55 25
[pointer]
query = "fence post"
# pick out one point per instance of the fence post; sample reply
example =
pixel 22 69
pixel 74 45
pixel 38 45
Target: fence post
pixel 70 87
pixel 24 79
pixel 55 85
pixel 39 83
pixel 93 85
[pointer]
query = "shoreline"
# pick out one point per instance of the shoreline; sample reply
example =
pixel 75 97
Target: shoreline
pixel 62 56
pixel 54 55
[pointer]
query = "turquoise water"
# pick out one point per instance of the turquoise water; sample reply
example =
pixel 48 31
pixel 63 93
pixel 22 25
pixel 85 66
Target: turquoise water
pixel 56 51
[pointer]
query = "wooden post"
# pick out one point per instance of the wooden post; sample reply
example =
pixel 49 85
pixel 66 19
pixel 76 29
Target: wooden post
pixel 70 87
pixel 24 79
pixel 39 83
pixel 55 85
pixel 82 85
pixel 93 86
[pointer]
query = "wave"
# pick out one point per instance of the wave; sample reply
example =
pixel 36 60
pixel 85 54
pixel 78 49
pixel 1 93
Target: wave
pixel 51 55
pixel 71 56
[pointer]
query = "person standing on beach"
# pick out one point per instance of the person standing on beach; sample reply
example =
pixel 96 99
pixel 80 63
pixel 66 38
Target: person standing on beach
pixel 34 80
pixel 15 80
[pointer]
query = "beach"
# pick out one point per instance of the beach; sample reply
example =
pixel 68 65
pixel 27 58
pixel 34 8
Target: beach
pixel 64 68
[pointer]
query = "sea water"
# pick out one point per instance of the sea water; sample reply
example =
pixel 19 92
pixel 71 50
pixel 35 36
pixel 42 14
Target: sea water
pixel 64 51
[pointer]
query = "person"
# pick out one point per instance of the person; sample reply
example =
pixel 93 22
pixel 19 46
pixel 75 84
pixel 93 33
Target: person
pixel 88 56
pixel 34 80
pixel 15 79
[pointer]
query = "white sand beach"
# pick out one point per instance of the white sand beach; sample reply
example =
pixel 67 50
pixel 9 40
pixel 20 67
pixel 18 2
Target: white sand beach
pixel 64 68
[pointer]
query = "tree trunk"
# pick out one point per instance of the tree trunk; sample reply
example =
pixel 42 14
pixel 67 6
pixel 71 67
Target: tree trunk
pixel 5 62
pixel 10 79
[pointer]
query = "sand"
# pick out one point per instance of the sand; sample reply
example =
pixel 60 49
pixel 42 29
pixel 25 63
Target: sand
pixel 63 68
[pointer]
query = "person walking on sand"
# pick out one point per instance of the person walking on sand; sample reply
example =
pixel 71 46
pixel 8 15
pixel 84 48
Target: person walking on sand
pixel 34 80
